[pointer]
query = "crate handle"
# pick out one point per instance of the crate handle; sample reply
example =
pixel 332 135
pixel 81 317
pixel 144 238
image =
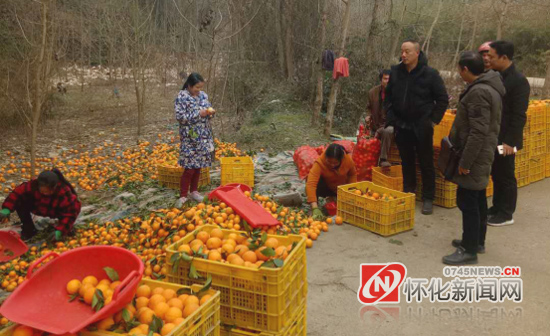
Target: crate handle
pixel 34 264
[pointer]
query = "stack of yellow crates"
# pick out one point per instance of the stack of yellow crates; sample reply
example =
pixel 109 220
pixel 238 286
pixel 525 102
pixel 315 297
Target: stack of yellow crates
pixel 536 115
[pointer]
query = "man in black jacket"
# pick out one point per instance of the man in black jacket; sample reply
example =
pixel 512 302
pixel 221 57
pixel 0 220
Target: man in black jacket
pixel 514 107
pixel 415 102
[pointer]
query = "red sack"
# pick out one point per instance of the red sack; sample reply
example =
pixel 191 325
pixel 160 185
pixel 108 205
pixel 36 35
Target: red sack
pixel 365 156
pixel 304 158
pixel 321 149
pixel 347 144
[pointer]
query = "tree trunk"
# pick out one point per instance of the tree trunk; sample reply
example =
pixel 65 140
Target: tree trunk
pixel 397 35
pixel 426 44
pixel 336 84
pixel 455 57
pixel 280 39
pixel 471 44
pixel 289 40
pixel 501 19
pixel 320 71
pixel 38 79
pixel 375 39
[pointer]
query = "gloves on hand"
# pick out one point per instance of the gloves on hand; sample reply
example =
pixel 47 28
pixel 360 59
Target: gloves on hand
pixel 58 235
pixel 317 214
pixel 4 213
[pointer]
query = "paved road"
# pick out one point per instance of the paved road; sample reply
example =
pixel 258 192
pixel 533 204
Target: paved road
pixel 333 276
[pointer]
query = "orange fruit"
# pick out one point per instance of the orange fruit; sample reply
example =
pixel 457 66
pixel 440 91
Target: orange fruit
pixel 189 309
pixel 146 316
pixel 214 255
pixel 174 313
pixel 155 300
pixel 175 302
pixel 339 220
pixel 260 255
pixel 309 243
pixel 167 328
pixel 143 291
pixel 160 309
pixel 203 236
pixel 169 294
pixel 204 299
pixel 216 233
pixel 90 279
pixel 214 243
pixel 89 295
pixel 73 286
pixel 237 261
pixel 114 285
pixel 105 282
pixel 271 242
pixel 136 332
pixel 358 192
pixel 281 252
pixel 250 256
pixel 228 248
pixel 184 248
pixel 23 331
pixel 142 302
pixel 241 249
pixel 183 298
pixel 105 323
pixel 192 299
pixel 329 220
pixel 178 320
pixel 157 290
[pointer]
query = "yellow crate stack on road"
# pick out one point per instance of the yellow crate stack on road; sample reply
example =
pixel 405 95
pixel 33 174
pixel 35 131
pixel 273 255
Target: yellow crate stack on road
pixel 237 170
pixel 391 177
pixel 263 300
pixel 385 217
pixel 444 127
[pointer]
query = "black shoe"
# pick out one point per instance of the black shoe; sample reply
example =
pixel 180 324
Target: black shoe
pixel 491 211
pixel 460 257
pixel 458 243
pixel 499 220
pixel 428 207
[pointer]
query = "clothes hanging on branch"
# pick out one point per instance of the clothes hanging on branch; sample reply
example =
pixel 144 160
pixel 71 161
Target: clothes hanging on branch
pixel 341 68
pixel 328 60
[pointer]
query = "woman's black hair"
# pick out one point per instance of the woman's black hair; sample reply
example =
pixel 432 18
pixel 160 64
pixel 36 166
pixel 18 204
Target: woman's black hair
pixel 193 79
pixel 335 151
pixel 50 178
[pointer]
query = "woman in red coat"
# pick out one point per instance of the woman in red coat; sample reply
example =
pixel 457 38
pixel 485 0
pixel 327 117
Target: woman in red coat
pixel 50 195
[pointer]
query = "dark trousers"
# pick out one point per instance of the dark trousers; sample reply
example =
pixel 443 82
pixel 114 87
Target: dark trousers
pixel 505 185
pixel 411 144
pixel 24 213
pixel 323 190
pixel 189 181
pixel 473 204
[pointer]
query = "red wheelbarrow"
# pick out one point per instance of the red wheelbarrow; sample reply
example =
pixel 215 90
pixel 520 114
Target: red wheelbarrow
pixel 42 302
pixel 11 246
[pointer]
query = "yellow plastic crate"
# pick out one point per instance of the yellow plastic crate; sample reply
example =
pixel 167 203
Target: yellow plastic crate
pixel 298 327
pixel 205 321
pixel 444 128
pixel 537 168
pixel 237 170
pixel 522 174
pixel 170 176
pixel 262 299
pixel 537 117
pixel 547 165
pixel 385 217
pixel 490 188
pixel 537 144
pixel 393 155
pixel 391 178
pixel 445 191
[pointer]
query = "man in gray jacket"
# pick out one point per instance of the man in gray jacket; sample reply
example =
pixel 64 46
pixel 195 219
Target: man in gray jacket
pixel 475 134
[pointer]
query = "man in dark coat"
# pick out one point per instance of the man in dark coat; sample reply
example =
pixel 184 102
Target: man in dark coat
pixel 514 116
pixel 475 134
pixel 416 101
pixel 377 115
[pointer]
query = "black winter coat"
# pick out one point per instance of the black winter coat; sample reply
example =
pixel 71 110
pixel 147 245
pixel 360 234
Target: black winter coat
pixel 412 98
pixel 514 107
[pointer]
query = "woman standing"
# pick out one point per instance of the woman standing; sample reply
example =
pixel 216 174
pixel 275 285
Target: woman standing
pixel 193 112
pixel 50 195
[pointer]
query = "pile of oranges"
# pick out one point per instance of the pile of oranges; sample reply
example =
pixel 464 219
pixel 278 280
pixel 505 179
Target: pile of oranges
pixel 108 165
pixel 374 195
pixel 90 287
pixel 234 249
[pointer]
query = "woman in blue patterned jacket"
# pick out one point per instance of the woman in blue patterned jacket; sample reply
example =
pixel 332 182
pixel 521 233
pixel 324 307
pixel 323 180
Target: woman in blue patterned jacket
pixel 193 112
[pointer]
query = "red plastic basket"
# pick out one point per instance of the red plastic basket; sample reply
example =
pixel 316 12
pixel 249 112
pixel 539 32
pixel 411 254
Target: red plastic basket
pixel 42 302
pixel 11 242
pixel 331 208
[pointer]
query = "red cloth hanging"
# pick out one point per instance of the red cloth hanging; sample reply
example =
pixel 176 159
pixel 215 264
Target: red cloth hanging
pixel 341 68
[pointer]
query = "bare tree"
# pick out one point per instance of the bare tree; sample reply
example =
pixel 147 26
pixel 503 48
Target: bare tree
pixel 426 44
pixel 397 34
pixel 336 83
pixel 320 71
pixel 501 16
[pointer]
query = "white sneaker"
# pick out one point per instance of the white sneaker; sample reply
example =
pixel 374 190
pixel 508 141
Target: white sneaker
pixel 195 196
pixel 180 202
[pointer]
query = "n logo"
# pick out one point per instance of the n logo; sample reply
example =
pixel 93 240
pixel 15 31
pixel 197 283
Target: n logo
pixel 380 283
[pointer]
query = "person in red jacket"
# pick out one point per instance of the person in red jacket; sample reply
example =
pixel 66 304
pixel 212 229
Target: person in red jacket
pixel 50 195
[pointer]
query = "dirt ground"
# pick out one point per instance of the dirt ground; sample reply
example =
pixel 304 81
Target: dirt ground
pixel 333 276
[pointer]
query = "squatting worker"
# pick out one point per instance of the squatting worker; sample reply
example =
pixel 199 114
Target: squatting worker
pixel 483 50
pixel 332 169
pixel 415 102
pixel 514 116
pixel 475 135
pixel 377 116
pixel 50 195
pixel 193 112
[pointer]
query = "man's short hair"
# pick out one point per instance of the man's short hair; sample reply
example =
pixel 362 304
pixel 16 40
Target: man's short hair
pixel 503 48
pixel 384 72
pixel 413 41
pixel 473 61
